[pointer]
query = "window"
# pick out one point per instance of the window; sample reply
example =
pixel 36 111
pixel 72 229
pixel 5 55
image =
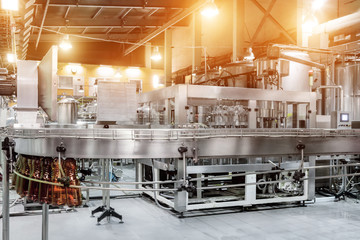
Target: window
pixel 65 82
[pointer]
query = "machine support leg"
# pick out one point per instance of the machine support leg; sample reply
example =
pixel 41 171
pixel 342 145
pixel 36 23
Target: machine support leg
pixel 45 222
pixel 181 197
pixel 108 211
pixel 5 195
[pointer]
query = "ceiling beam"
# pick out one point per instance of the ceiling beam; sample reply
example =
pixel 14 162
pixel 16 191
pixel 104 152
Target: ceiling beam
pixel 97 13
pixel 260 26
pixel 42 23
pixel 167 25
pixel 53 37
pixel 126 12
pixel 67 12
pixel 287 35
pixel 130 21
pixel 153 4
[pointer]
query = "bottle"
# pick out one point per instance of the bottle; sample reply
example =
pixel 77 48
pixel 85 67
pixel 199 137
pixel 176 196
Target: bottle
pixel 58 193
pixel 35 171
pixel 16 178
pixel 45 189
pixel 73 195
pixel 26 172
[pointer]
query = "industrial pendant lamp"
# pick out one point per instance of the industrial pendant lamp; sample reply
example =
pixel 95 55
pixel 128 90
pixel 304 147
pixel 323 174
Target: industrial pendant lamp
pixel 210 10
pixel 156 56
pixel 65 43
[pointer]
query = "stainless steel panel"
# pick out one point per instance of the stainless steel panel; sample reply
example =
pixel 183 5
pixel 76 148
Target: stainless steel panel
pixel 116 101
pixel 48 83
pixel 163 143
pixel 27 84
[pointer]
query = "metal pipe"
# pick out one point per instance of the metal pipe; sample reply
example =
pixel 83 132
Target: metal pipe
pixel 45 222
pixel 296 48
pixel 340 107
pixel 5 197
pixel 302 61
pixel 107 172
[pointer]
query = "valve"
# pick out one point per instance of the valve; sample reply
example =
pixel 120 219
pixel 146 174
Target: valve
pixel 61 148
pixel 182 149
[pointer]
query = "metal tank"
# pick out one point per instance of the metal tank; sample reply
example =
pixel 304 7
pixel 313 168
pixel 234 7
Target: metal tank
pixel 67 111
pixel 347 75
pixel 298 78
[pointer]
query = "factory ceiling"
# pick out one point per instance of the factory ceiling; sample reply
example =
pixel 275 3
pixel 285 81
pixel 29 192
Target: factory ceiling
pixel 96 27
pixel 42 23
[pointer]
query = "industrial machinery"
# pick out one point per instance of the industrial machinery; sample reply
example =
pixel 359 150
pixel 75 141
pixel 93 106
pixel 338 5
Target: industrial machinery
pixel 241 135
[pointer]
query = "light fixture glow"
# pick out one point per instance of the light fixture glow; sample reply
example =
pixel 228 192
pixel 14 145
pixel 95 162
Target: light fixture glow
pixel 156 82
pixel 156 56
pixel 74 68
pixel 10 5
pixel 65 43
pixel 11 58
pixel 105 71
pixel 81 89
pixel 133 72
pixel 250 57
pixel 309 23
pixel 118 75
pixel 210 10
pixel 317 4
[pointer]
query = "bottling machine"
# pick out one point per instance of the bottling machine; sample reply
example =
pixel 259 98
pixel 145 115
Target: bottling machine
pixel 273 130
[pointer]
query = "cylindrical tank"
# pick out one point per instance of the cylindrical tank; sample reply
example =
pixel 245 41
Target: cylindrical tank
pixel 239 72
pixel 347 75
pixel 298 78
pixel 67 111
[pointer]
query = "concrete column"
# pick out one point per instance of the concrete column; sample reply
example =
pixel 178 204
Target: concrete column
pixel 148 52
pixel 168 57
pixel 196 41
pixel 238 29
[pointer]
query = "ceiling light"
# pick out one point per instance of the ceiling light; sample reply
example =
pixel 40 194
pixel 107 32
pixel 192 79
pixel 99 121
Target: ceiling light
pixel 309 23
pixel 133 72
pixel 118 75
pixel 105 71
pixel 10 5
pixel 65 43
pixel 317 4
pixel 210 10
pixel 156 56
pixel 11 58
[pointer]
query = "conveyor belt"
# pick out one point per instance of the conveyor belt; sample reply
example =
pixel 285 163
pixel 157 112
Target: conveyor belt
pixel 164 143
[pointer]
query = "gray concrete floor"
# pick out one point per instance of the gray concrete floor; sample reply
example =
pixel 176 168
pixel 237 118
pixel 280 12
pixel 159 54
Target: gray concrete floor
pixel 144 220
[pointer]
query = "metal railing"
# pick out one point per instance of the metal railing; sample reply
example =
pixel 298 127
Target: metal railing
pixel 174 134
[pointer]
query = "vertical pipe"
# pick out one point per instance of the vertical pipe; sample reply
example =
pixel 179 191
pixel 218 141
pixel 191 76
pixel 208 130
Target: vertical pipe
pixel 107 172
pixel 5 197
pixel 103 179
pixel 45 222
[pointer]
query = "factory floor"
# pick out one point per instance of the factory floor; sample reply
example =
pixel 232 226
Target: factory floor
pixel 144 220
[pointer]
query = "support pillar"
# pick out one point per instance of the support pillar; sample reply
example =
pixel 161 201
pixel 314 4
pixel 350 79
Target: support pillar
pixel 5 197
pixel 168 57
pixel 196 42
pixel 238 29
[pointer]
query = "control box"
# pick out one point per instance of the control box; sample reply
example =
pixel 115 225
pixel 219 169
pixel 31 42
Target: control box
pixel 341 120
